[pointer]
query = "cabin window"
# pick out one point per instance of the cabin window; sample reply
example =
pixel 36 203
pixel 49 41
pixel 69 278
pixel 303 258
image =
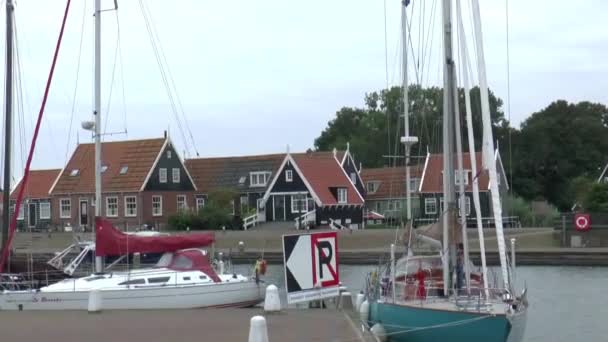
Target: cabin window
pixel 157 205
pixel 162 175
pixel 104 168
pixel 130 206
pixel 298 203
pixel 200 203
pixel 45 210
pixel 133 282
pixel 175 174
pixel 430 206
pixel 65 208
pixel 186 278
pixel 342 195
pixel 288 175
pixel 353 177
pixel 112 206
pixel 74 172
pixel 182 262
pixel 181 203
pixel 158 280
pixel 259 178
pixel 202 277
pixel 168 154
pixel 124 169
pixel 372 187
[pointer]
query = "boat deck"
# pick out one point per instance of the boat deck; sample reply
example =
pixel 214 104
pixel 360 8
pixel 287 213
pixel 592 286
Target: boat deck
pixel 176 325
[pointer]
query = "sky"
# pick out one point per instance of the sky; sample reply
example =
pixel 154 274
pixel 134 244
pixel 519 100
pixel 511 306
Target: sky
pixel 257 76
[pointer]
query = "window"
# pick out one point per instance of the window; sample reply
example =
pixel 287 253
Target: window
pixel 112 206
pixel 259 178
pixel 158 280
pixel 242 179
pixel 65 208
pixel 74 172
pixel 342 195
pixel 260 203
pixel 441 204
pixel 104 168
pixel 130 206
pixel 202 277
pixel 310 204
pixel 168 154
pixel 175 174
pixel 244 204
pixel 157 206
pixel 182 262
pixel 181 203
pixel 133 282
pixel 299 203
pixel 186 278
pixel 353 177
pixel 200 203
pixel 372 187
pixel 288 175
pixel 464 177
pixel 430 206
pixel 21 215
pixel 124 169
pixel 414 184
pixel 162 175
pixel 45 210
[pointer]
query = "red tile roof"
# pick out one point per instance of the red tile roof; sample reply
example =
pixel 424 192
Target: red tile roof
pixel 391 181
pixel 138 155
pixel 38 184
pixel 324 173
pixel 432 181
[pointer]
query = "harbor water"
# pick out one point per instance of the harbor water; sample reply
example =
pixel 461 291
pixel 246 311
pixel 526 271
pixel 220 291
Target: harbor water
pixel 566 303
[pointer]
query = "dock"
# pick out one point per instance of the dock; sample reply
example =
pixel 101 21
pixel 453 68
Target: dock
pixel 329 325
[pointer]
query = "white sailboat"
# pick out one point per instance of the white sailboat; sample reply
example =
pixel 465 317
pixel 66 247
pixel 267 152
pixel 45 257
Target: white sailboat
pixel 425 298
pixel 183 278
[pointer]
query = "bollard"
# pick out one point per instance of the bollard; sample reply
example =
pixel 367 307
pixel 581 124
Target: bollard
pixel 272 302
pixel 364 311
pixel 346 301
pixel 359 300
pixel 94 301
pixel 257 329
pixel 378 331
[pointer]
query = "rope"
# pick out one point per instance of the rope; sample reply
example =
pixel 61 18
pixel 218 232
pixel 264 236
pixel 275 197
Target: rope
pixel 13 226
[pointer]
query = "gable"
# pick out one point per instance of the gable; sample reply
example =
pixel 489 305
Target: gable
pixel 282 185
pixel 169 161
pixel 350 167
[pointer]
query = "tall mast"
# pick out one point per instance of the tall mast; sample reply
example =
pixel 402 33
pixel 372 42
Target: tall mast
pixel 97 114
pixel 448 144
pixel 8 105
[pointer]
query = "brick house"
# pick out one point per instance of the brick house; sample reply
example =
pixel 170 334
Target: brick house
pixel 143 182
pixel 36 211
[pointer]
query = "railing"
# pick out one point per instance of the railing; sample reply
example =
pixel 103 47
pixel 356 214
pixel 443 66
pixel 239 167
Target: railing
pixel 250 221
pixel 306 219
pixel 336 226
pixel 486 222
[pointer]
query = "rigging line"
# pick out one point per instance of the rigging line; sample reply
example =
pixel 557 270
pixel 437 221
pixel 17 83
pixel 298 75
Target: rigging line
pixel 122 75
pixel 411 45
pixel 172 81
pixel 429 44
pixel 388 118
pixel 67 148
pixel 162 72
pixel 509 101
pixel 105 124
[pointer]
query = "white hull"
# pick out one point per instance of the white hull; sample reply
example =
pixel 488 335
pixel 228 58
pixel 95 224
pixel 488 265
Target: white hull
pixel 237 294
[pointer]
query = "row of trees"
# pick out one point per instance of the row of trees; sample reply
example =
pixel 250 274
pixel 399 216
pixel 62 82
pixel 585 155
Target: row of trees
pixel 555 154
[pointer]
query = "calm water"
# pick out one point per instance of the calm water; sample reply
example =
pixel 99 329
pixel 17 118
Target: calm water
pixel 566 303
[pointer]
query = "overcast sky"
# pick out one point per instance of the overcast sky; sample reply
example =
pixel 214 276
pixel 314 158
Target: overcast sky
pixel 254 76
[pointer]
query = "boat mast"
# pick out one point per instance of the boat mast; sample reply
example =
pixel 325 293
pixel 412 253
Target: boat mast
pixel 97 114
pixel 8 112
pixel 448 146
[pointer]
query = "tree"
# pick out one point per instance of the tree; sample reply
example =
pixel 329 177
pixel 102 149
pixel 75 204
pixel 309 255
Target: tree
pixel 216 213
pixel 597 198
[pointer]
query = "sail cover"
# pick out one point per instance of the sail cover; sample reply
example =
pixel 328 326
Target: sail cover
pixel 111 241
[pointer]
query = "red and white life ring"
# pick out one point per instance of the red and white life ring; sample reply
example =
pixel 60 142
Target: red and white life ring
pixel 582 222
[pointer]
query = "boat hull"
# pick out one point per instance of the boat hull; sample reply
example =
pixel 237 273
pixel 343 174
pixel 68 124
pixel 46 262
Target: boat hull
pixel 237 294
pixel 404 323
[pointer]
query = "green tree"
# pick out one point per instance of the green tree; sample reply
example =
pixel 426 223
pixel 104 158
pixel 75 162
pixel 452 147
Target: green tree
pixel 216 213
pixel 596 199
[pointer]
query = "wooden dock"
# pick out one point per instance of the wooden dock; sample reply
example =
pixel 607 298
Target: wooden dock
pixel 179 325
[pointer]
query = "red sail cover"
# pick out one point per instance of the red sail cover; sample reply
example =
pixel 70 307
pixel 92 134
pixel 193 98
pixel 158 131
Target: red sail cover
pixel 111 241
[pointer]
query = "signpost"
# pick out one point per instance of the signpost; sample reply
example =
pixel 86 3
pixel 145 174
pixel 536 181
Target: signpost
pixel 311 266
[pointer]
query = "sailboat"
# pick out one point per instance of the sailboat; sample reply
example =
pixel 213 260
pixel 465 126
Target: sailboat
pixel 184 277
pixel 438 297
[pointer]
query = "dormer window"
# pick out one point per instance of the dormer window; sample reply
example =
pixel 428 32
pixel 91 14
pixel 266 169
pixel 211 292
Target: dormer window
pixel 104 168
pixel 74 172
pixel 168 154
pixel 124 169
pixel 353 177
pixel 342 195
pixel 288 175
pixel 258 178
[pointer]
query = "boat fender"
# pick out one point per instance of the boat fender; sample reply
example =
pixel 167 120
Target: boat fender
pixel 379 332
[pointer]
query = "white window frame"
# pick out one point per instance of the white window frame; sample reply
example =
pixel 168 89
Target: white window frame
pixel 200 203
pixel 299 203
pixel 175 175
pixel 430 201
pixel 353 177
pixel 128 212
pixel 162 175
pixel 157 211
pixel 414 182
pixel 258 203
pixel 111 213
pixel 124 169
pixel 372 186
pixel 68 203
pixel 289 176
pixel 342 195
pixel 254 178
pixel 184 200
pixel 169 154
pixel 47 210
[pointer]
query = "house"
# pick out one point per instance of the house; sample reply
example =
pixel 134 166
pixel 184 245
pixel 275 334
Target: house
pixel 247 176
pixel 386 191
pixel 142 181
pixel 431 187
pixel 35 211
pixel 313 188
